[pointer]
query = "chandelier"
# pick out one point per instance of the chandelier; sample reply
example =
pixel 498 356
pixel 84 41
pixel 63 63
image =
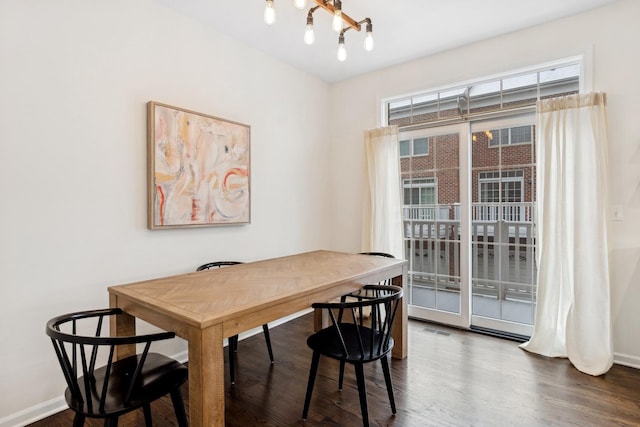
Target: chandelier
pixel 341 22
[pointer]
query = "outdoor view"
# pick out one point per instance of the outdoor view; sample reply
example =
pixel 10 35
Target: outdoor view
pixel 501 191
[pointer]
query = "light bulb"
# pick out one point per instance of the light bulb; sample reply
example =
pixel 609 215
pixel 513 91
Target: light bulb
pixel 342 52
pixel 336 24
pixel 309 37
pixel 269 13
pixel 300 4
pixel 368 41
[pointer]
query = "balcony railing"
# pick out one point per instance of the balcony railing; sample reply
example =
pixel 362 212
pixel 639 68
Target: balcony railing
pixel 502 255
pixel 485 212
pixel 508 212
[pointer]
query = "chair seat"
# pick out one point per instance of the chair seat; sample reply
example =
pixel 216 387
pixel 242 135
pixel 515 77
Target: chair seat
pixel 327 343
pixel 365 339
pixel 159 374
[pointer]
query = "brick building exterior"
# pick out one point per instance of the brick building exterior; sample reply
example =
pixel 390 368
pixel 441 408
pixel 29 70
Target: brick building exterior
pixel 442 161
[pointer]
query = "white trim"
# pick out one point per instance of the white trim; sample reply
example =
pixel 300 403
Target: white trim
pixel 34 413
pixel 438 316
pixel 587 73
pixel 58 404
pixel 585 60
pixel 626 360
pixel 502 325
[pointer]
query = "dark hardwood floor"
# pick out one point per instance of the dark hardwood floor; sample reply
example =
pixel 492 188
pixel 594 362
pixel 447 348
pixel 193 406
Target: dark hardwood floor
pixel 451 378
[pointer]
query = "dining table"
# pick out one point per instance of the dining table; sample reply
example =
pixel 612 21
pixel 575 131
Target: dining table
pixel 207 306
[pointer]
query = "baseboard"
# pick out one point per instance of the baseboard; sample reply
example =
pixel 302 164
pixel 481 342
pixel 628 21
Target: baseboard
pixel 626 360
pixel 58 404
pixel 34 413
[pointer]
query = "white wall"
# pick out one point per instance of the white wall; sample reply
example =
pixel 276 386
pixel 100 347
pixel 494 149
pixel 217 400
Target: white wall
pixel 75 76
pixel 74 79
pixel 609 37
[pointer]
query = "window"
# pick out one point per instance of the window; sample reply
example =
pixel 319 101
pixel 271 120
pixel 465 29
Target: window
pixel 419 191
pixel 510 136
pixel 462 102
pixel 414 147
pixel 419 198
pixel 508 189
pixel 469 199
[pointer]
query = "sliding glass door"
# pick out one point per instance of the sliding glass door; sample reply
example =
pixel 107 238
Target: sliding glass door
pixel 435 238
pixel 503 209
pixel 468 211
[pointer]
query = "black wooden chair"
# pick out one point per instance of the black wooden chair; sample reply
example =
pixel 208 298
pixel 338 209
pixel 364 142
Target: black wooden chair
pixel 233 341
pixel 355 339
pixel 120 386
pixel 382 254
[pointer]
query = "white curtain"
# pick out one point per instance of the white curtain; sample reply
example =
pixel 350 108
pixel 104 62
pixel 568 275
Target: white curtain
pixel 573 315
pixel 382 212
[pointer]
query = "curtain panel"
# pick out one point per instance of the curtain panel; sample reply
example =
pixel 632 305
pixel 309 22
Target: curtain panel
pixel 382 205
pixel 573 313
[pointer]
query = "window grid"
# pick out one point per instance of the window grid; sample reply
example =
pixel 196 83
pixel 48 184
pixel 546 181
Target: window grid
pixel 414 147
pixel 511 136
pixel 506 93
pixel 501 187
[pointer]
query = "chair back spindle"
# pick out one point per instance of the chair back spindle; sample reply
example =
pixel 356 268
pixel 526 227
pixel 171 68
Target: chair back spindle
pixel 116 387
pixel 362 339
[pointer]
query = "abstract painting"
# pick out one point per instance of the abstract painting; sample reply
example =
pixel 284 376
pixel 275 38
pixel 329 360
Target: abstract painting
pixel 199 169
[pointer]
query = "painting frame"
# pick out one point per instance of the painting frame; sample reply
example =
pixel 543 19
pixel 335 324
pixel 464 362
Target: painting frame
pixel 199 169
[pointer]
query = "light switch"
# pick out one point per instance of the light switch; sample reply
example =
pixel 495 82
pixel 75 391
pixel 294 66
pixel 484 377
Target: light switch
pixel 618 213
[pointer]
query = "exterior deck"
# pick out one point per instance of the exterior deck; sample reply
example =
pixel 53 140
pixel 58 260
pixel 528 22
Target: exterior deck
pixel 503 270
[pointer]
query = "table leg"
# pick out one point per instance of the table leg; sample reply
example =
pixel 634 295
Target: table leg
pixel 401 322
pixel 206 377
pixel 319 320
pixel 122 325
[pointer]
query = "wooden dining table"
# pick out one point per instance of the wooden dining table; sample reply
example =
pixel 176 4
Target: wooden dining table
pixel 206 307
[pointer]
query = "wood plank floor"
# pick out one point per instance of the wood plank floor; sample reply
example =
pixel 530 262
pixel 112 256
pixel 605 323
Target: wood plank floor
pixel 451 378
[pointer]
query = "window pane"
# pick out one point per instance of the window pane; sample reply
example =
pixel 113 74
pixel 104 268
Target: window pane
pixel 484 89
pixel 504 136
pixel 420 146
pixel 561 73
pixel 521 135
pixel 510 91
pixel 405 148
pixel 511 191
pixel 489 192
pixel 428 196
pixel 415 196
pixel 520 81
pixel 425 107
pixel 494 137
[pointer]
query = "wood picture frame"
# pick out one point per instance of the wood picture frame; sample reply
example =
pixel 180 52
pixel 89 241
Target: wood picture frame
pixel 199 169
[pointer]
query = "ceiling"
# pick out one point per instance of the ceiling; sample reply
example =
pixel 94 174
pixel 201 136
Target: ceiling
pixel 403 29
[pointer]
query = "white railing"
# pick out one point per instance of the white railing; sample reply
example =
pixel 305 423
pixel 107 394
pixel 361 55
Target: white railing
pixel 430 212
pixel 482 212
pixel 503 245
pixel 508 212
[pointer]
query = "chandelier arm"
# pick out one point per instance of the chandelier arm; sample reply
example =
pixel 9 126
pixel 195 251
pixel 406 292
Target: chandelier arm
pixel 310 14
pixel 346 18
pixel 344 30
